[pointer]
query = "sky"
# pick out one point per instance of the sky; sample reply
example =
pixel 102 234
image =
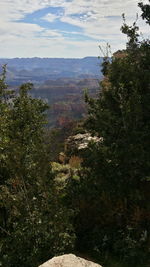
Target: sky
pixel 64 28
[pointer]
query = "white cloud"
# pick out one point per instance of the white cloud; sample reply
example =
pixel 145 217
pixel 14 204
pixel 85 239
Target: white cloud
pixel 50 17
pixel 98 19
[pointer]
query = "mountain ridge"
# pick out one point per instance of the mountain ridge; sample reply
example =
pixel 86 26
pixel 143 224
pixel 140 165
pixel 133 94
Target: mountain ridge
pixel 37 70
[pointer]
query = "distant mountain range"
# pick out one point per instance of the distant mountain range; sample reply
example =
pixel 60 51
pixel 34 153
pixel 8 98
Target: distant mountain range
pixel 39 70
pixel 59 81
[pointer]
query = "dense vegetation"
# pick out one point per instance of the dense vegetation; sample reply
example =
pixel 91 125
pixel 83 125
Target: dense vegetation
pixel 34 225
pixel 117 171
pixel 97 203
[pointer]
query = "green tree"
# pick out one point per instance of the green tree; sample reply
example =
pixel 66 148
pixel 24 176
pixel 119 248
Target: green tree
pixel 34 223
pixel 146 11
pixel 5 106
pixel 115 181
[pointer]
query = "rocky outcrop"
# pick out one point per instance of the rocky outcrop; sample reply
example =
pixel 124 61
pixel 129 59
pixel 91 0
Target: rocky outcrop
pixel 69 260
pixel 81 141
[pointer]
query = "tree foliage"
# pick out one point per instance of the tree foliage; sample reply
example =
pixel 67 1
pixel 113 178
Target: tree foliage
pixel 145 11
pixel 114 185
pixel 34 223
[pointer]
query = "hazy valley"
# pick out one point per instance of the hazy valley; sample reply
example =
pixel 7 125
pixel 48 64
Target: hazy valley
pixel 60 82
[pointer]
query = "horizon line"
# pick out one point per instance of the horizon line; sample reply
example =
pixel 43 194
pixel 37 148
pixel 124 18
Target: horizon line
pixel 50 57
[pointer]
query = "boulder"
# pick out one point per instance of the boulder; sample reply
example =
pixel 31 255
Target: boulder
pixel 69 260
pixel 81 141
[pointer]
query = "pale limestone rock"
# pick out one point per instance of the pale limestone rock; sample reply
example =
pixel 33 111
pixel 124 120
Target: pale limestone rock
pixel 69 260
pixel 81 141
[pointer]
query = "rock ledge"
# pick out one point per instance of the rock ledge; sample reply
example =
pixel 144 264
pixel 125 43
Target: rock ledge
pixel 69 260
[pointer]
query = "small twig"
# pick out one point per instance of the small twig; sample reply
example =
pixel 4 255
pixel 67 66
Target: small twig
pixel 5 231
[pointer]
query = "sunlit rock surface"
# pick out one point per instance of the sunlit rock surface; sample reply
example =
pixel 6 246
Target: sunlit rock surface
pixel 81 141
pixel 69 260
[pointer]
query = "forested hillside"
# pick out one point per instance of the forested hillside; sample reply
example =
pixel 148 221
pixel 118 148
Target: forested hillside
pixel 84 187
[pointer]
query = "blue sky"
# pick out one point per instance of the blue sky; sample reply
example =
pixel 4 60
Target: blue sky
pixel 64 28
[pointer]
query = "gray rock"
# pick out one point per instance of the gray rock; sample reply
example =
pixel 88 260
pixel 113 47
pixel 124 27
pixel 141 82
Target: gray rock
pixel 69 260
pixel 81 141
